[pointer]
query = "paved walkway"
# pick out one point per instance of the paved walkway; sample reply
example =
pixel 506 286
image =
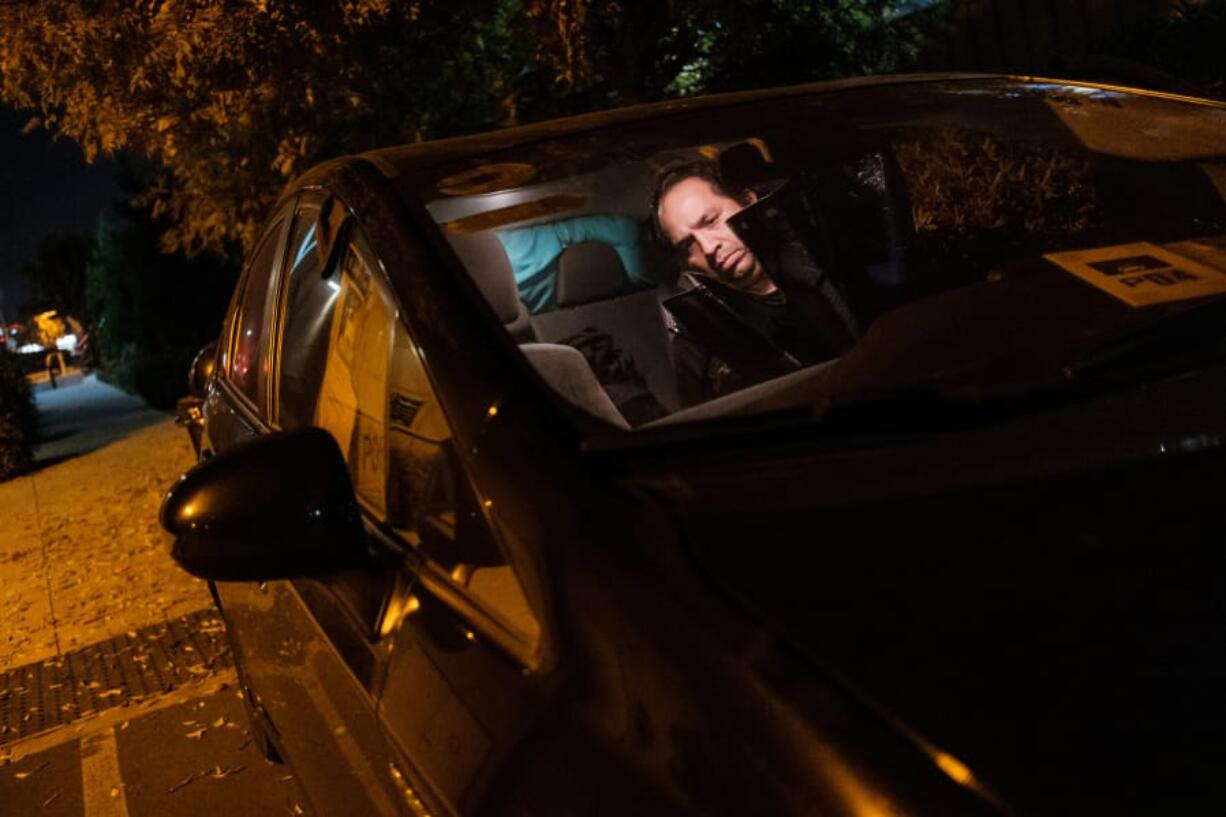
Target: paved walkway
pixel 41 380
pixel 82 557
pixel 84 414
pixel 184 754
pixel 118 697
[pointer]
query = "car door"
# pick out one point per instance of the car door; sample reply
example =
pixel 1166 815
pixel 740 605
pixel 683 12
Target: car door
pixel 458 632
pixel 404 685
pixel 310 650
pixel 459 691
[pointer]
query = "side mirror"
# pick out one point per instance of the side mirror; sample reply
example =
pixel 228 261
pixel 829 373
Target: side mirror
pixel 201 370
pixel 279 507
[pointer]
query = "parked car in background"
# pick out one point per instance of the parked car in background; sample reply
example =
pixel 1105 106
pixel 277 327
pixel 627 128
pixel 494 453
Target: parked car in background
pixel 940 534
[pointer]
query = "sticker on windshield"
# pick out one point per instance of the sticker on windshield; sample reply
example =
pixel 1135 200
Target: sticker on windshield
pixel 1142 274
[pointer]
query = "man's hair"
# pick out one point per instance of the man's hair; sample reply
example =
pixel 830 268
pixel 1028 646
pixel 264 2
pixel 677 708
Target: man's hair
pixel 671 176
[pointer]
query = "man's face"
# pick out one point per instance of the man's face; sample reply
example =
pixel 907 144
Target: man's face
pixel 694 218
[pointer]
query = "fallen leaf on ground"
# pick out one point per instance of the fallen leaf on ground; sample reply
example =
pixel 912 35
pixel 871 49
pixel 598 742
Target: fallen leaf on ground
pixel 181 784
pixel 196 734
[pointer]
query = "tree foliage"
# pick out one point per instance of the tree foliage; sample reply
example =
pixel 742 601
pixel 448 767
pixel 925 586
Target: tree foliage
pixel 621 52
pixel 17 417
pixel 152 311
pixel 1187 44
pixel 231 98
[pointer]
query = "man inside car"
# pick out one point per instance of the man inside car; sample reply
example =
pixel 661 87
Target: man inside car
pixel 733 323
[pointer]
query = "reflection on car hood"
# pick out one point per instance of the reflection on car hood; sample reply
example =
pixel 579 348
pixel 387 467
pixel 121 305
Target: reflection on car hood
pixel 1040 597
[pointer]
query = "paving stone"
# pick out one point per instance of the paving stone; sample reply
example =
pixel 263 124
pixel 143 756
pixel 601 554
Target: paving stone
pixel 114 672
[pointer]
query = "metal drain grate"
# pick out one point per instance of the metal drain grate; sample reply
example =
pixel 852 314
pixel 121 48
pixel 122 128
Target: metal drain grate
pixel 126 668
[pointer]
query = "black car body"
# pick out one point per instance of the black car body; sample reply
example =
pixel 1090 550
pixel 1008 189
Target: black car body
pixel 971 566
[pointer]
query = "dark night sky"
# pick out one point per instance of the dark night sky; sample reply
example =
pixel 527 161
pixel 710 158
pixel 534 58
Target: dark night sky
pixel 45 187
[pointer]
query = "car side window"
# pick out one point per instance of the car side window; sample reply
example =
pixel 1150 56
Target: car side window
pixel 248 363
pixel 309 304
pixel 351 400
pixel 370 389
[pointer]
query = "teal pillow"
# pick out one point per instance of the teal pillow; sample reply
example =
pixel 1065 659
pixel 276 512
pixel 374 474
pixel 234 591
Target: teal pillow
pixel 533 252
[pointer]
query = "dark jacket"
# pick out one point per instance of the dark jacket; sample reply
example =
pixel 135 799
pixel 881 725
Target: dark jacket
pixel 725 339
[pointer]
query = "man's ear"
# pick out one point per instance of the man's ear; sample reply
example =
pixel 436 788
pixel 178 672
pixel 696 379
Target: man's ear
pixel 750 197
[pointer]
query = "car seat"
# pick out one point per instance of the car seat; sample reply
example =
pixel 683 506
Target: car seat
pixel 595 293
pixel 483 257
pixel 563 368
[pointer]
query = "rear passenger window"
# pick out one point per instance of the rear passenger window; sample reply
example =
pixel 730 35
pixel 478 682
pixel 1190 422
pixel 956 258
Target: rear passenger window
pixel 248 365
pixel 309 302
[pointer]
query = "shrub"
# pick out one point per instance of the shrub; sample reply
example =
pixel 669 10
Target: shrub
pixel 18 418
pixel 152 311
pixel 1188 44
pixel 160 377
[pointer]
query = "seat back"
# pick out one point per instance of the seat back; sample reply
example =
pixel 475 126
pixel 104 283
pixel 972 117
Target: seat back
pixel 590 276
pixel 568 373
pixel 482 255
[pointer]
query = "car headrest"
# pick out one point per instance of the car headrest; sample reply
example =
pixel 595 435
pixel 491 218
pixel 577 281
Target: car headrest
pixel 589 271
pixel 487 263
pixel 745 165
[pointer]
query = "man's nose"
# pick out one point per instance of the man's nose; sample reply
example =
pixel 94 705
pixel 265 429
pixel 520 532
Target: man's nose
pixel 709 245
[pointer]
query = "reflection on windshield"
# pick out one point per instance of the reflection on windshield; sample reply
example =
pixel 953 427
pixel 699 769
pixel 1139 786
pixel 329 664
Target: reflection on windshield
pixel 673 271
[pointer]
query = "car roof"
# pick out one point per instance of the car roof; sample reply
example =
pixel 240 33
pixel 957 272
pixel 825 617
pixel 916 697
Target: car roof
pixel 405 161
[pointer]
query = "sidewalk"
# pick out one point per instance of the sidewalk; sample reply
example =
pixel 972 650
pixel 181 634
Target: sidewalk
pixel 118 694
pixel 40 380
pixel 82 558
pixel 83 414
pixel 187 753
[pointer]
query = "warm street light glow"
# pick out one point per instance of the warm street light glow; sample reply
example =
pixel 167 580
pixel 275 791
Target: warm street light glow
pixel 397 610
pixel 956 769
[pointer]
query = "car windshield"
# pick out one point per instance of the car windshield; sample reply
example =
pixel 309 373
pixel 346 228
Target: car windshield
pixel 811 248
